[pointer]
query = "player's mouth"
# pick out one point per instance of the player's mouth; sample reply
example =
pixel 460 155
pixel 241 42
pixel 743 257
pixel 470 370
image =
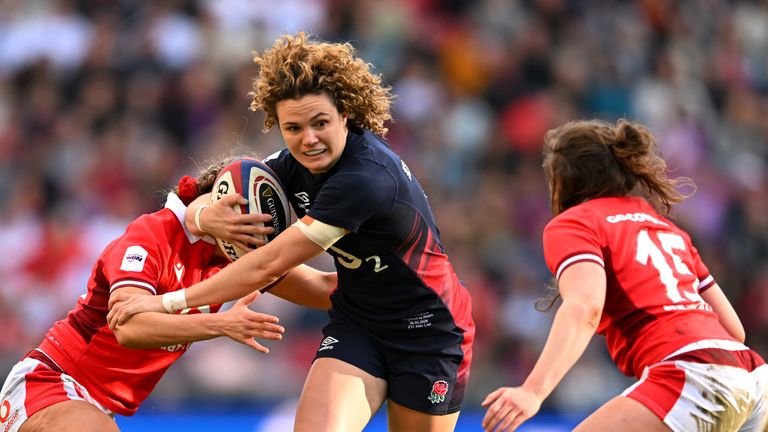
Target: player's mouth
pixel 313 153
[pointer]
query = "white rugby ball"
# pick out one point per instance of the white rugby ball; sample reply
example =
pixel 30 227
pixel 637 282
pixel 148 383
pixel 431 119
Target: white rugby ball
pixel 258 184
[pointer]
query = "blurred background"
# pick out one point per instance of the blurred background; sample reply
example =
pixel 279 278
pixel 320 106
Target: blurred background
pixel 104 104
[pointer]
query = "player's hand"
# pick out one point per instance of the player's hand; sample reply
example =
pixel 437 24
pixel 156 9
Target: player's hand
pixel 124 305
pixel 243 325
pixel 509 407
pixel 244 231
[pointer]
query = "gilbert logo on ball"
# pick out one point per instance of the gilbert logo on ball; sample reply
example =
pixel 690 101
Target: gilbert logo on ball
pixel 259 185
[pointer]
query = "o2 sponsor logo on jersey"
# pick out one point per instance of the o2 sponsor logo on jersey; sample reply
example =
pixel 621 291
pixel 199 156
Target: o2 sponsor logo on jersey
pixel 353 263
pixel 134 259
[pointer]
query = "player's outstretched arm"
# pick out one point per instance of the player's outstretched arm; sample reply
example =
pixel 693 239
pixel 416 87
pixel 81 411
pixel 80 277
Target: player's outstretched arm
pixel 154 330
pixel 253 271
pixel 716 298
pixel 582 288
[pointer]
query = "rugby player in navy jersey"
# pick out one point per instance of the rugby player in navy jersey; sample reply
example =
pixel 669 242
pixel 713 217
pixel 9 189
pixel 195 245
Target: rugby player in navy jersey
pixel 400 326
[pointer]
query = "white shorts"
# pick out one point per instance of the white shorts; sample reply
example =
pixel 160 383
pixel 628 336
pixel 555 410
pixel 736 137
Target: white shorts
pixel 33 385
pixel 708 389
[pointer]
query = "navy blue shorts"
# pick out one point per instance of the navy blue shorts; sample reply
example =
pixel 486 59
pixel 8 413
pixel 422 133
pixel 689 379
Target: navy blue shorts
pixel 427 374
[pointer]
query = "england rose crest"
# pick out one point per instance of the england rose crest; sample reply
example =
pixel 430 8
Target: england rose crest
pixel 439 390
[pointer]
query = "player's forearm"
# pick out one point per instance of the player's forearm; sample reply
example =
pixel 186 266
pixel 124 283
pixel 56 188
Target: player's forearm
pixel 154 330
pixel 254 270
pixel 715 297
pixel 571 331
pixel 308 287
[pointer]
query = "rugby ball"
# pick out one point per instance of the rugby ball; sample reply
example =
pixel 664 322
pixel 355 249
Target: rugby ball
pixel 259 185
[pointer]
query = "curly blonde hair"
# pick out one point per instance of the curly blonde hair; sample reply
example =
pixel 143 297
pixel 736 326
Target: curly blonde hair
pixel 296 66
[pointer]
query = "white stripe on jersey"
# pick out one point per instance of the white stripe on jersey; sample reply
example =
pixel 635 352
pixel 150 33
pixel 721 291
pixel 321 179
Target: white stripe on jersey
pixel 133 283
pixel 706 282
pixel 576 258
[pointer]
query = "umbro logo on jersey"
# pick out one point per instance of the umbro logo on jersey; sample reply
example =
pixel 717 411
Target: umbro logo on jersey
pixel 304 200
pixel 327 343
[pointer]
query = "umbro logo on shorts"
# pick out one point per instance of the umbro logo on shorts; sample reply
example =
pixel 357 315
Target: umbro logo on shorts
pixel 327 343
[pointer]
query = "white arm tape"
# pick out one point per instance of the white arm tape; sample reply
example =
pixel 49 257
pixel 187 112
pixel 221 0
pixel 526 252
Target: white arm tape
pixel 322 234
pixel 175 301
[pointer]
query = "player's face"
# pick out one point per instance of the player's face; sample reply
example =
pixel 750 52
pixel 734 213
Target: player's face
pixel 313 130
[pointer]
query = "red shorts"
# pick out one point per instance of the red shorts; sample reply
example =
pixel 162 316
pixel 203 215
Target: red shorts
pixel 707 389
pixel 35 383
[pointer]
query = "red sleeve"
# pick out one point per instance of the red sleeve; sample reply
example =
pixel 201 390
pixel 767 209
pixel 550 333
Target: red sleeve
pixel 569 238
pixel 135 259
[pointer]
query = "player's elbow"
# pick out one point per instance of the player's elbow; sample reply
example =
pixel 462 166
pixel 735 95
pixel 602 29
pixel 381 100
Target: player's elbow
pixel 738 332
pixel 586 314
pixel 126 338
pixel 331 281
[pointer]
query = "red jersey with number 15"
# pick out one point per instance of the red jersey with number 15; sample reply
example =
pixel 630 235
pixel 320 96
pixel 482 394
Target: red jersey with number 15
pixel 654 278
pixel 156 253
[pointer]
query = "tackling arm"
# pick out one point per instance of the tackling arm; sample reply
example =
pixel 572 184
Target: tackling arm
pixel 155 330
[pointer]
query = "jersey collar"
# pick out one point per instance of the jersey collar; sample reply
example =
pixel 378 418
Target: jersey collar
pixel 174 204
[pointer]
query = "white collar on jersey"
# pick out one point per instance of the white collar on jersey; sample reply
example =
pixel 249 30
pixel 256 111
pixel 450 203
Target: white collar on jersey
pixel 178 208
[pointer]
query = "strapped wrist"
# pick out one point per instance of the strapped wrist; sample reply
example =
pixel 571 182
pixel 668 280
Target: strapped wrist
pixel 197 217
pixel 175 301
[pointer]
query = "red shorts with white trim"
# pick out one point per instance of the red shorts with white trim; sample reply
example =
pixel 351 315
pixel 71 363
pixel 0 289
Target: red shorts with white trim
pixel 707 389
pixel 34 384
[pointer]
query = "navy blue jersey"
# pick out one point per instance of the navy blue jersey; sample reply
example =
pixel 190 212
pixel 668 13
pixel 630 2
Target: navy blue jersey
pixel 393 273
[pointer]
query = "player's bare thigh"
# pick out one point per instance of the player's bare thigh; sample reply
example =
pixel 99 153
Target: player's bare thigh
pixel 625 415
pixel 338 397
pixel 70 416
pixel 402 419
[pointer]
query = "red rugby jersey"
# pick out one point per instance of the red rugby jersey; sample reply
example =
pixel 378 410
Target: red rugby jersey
pixel 156 253
pixel 654 277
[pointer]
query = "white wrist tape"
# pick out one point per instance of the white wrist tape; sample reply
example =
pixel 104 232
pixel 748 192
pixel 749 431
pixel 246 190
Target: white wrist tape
pixel 197 217
pixel 175 301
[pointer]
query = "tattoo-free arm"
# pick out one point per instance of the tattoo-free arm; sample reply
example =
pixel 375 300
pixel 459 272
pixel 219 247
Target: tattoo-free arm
pixel 154 330
pixel 716 298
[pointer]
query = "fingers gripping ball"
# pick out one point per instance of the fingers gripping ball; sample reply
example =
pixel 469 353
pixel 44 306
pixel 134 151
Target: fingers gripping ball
pixel 259 185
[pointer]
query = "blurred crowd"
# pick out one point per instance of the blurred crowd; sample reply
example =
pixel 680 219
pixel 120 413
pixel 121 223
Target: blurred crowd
pixel 104 104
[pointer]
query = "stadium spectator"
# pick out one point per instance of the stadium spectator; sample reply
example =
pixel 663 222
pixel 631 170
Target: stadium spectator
pixel 625 271
pixel 400 326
